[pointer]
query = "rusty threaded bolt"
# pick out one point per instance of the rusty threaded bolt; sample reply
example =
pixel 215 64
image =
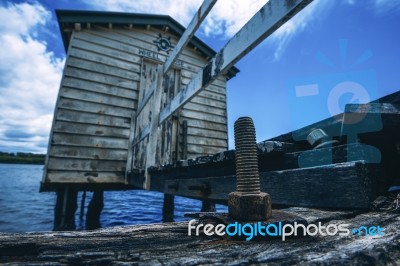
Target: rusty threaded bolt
pixel 247 203
pixel 247 175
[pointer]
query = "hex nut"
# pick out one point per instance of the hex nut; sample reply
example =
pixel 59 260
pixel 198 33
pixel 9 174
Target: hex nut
pixel 316 136
pixel 249 207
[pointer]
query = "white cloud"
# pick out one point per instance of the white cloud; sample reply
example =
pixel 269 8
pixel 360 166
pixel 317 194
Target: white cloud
pixel 225 19
pixel 29 78
pixel 381 6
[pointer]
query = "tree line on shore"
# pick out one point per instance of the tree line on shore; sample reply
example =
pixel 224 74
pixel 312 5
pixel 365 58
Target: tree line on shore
pixel 22 158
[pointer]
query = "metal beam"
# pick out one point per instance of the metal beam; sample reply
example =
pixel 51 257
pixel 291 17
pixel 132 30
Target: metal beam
pixel 189 32
pixel 270 17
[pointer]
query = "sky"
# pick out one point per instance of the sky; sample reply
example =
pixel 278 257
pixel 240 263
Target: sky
pixel 330 54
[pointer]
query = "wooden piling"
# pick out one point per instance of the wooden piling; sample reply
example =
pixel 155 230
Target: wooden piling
pixel 168 208
pixel 94 210
pixel 64 211
pixel 207 206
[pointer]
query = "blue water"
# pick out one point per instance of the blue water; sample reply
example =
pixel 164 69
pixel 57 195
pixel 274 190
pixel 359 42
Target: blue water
pixel 24 209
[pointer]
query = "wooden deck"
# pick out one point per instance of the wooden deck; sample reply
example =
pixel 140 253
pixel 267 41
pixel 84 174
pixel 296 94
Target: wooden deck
pixel 169 244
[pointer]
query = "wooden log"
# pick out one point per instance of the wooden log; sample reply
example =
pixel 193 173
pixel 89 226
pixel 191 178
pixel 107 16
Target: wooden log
pixel 169 243
pixel 344 185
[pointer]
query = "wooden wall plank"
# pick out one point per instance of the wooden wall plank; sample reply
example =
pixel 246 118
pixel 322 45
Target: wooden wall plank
pixel 87 129
pixel 104 40
pixel 205 109
pixel 208 102
pixel 78 94
pixel 87 42
pixel 88 153
pixel 206 141
pixel 105 79
pixel 205 132
pixel 92 107
pixel 64 176
pixel 104 60
pixel 94 119
pixel 85 165
pixel 102 68
pixel 198 150
pixel 207 124
pixel 95 86
pixel 89 141
pixel 202 116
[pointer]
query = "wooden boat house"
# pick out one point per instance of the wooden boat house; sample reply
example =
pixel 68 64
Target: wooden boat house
pixel 126 119
pixel 102 118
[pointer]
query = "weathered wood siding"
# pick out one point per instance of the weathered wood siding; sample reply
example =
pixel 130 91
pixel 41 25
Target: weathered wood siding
pixel 93 126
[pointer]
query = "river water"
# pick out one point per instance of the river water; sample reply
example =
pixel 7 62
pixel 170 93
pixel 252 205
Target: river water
pixel 24 209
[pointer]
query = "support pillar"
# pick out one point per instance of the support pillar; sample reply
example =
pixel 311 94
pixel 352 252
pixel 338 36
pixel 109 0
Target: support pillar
pixel 207 206
pixel 168 208
pixel 64 211
pixel 94 210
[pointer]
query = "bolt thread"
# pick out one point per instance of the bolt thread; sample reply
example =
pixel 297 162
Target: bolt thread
pixel 247 175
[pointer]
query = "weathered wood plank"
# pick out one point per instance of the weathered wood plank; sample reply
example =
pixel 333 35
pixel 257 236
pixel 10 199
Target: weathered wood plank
pixel 79 94
pixel 87 129
pixel 57 151
pixel 89 141
pixel 86 165
pixel 97 77
pixel 205 109
pixel 95 86
pixel 273 156
pixel 207 141
pixel 198 150
pixel 146 40
pixel 205 132
pixel 91 44
pixel 189 32
pixel 93 107
pixel 94 119
pixel 211 95
pixel 82 177
pixel 218 84
pixel 103 69
pixel 205 124
pixel 169 243
pixel 199 99
pixel 106 40
pixel 104 59
pixel 204 117
pixel 344 185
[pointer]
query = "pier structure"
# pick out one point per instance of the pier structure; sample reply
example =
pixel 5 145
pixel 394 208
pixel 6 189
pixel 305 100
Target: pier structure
pixel 142 105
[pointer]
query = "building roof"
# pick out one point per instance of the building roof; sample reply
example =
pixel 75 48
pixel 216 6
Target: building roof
pixel 68 18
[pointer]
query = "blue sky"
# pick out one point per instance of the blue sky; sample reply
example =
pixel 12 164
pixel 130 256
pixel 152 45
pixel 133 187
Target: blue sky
pixel 328 44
